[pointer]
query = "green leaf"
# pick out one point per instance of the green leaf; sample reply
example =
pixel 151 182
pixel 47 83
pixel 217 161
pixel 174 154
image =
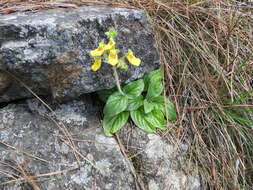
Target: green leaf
pixel 134 89
pixel 134 104
pixel 122 64
pixel 148 107
pixel 166 106
pixel 156 118
pixel 158 102
pixel 140 120
pixel 115 104
pixel 147 77
pixel 155 87
pixel 111 33
pixel 115 123
pixel 170 111
pixel 104 94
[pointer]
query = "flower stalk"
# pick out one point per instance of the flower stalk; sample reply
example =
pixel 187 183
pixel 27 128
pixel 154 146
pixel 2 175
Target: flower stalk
pixel 116 76
pixel 107 52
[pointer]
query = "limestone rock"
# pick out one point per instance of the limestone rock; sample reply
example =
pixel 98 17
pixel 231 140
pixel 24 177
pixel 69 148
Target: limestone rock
pixel 159 161
pixel 49 50
pixel 41 148
pixel 33 138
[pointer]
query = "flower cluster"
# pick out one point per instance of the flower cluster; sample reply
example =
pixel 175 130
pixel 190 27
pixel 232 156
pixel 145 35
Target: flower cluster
pixel 109 54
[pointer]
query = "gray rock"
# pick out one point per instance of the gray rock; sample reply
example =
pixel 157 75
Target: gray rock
pixel 31 136
pixel 159 161
pixel 49 50
pixel 42 149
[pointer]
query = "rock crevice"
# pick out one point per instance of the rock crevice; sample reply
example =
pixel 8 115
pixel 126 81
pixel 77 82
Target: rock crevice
pixel 62 145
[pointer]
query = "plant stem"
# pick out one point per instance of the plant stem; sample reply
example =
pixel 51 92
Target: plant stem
pixel 116 76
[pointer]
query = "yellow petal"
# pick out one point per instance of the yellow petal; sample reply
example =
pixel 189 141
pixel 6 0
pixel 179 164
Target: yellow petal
pixel 110 44
pixel 113 57
pixel 97 64
pixel 133 60
pixel 99 51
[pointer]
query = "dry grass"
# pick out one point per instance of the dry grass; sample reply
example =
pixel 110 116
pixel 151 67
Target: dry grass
pixel 206 48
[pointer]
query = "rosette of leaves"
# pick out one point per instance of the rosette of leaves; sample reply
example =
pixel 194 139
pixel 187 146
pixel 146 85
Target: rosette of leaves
pixel 142 102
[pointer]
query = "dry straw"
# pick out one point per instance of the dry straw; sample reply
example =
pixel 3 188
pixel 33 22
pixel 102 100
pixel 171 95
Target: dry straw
pixel 206 49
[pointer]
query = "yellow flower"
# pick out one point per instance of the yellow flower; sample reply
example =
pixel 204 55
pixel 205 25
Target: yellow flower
pixel 97 64
pixel 99 51
pixel 113 57
pixel 110 44
pixel 132 59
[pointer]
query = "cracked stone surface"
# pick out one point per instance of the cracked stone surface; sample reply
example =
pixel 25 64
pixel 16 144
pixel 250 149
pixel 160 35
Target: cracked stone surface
pixel 42 148
pixel 27 127
pixel 49 50
pixel 158 161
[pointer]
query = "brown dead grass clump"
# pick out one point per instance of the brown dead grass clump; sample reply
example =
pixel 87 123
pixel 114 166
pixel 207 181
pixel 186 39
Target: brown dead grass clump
pixel 206 48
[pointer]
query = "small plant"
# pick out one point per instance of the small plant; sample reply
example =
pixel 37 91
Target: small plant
pixel 141 99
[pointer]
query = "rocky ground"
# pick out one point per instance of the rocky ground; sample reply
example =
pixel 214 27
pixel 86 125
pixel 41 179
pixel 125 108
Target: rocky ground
pixel 66 149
